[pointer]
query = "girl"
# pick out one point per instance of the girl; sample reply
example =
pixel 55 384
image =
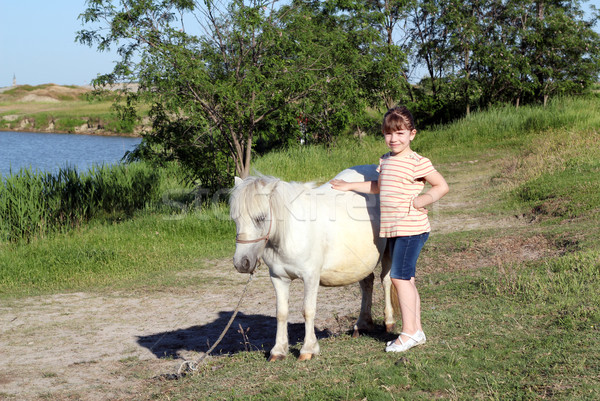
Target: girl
pixel 402 173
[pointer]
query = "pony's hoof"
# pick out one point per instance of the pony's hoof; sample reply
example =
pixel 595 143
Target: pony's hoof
pixel 355 333
pixel 390 328
pixel 275 358
pixel 305 357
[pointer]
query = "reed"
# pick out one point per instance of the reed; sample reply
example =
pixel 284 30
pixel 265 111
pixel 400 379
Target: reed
pixel 23 211
pixel 33 203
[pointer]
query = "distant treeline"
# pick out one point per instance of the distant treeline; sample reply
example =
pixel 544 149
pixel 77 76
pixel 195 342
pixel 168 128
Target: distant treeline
pixel 482 52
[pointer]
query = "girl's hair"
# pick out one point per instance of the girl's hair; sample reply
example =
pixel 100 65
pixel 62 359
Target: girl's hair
pixel 396 119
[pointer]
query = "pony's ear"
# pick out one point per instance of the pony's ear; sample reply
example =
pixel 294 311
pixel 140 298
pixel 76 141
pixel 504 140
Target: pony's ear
pixel 238 181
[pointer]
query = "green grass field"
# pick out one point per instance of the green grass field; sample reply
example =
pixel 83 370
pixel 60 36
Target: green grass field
pixel 509 281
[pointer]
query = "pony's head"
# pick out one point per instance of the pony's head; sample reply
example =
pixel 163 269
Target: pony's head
pixel 251 210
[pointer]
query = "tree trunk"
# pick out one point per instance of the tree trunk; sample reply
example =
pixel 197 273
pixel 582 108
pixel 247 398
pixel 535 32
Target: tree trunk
pixel 540 9
pixel 240 155
pixel 246 171
pixel 468 76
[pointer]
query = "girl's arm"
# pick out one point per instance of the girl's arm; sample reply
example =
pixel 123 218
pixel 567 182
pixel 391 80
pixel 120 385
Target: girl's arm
pixel 365 187
pixel 439 188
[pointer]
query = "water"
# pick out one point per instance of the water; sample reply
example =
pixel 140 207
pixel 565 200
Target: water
pixel 49 152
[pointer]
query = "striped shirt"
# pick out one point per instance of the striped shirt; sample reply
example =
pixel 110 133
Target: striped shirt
pixel 400 181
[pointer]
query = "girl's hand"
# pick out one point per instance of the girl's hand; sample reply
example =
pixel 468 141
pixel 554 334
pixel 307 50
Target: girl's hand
pixel 419 203
pixel 422 210
pixel 363 187
pixel 340 185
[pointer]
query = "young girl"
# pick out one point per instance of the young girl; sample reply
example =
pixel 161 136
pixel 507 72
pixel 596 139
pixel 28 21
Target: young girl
pixel 402 174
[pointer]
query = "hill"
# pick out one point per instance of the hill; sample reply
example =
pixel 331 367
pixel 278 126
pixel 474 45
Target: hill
pixel 56 108
pixel 43 93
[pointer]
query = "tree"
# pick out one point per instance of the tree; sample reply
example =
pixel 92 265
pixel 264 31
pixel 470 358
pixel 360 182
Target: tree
pixel 251 62
pixel 481 52
pixel 432 48
pixel 535 49
pixel 431 41
pixel 562 47
pixel 392 65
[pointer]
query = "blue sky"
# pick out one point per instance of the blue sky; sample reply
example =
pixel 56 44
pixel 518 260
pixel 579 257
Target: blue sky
pixel 37 44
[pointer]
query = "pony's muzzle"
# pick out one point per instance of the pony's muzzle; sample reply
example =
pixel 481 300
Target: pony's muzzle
pixel 245 265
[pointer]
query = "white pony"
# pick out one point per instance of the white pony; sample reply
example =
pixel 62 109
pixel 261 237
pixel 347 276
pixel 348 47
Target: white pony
pixel 319 235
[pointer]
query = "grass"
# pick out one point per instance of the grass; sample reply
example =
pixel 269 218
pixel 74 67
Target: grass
pixel 320 164
pixel 145 251
pixel 504 129
pixel 43 113
pixel 495 338
pixel 500 325
pixel 502 329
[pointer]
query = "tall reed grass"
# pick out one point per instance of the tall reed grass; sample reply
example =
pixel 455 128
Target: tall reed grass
pixel 33 204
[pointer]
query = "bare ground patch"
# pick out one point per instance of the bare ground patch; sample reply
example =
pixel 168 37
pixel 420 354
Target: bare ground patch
pixel 106 346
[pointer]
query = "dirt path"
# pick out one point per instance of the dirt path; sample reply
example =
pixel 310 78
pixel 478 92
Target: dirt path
pixel 98 346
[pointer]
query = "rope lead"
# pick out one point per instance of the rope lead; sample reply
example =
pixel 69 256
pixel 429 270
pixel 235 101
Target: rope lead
pixel 190 367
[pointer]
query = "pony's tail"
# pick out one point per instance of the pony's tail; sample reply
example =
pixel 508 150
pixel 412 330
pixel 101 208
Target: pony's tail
pixel 394 301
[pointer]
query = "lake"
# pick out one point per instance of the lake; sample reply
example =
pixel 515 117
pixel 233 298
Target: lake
pixel 49 152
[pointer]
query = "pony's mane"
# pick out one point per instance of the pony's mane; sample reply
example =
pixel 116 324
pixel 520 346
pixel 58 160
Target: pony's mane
pixel 244 199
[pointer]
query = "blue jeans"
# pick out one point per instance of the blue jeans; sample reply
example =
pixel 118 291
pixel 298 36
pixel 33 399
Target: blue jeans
pixel 404 252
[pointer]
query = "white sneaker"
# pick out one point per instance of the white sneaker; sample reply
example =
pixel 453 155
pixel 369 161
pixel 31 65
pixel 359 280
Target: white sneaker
pixel 423 339
pixel 416 339
pixel 419 336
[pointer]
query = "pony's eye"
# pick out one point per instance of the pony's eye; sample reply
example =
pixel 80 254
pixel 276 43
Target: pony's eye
pixel 259 219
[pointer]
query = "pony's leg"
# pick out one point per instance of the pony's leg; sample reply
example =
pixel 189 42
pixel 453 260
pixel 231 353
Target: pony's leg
pixel 365 319
pixel 310 346
pixel 389 294
pixel 282 291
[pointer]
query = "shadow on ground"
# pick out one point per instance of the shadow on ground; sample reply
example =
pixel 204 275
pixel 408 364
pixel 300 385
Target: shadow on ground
pixel 259 335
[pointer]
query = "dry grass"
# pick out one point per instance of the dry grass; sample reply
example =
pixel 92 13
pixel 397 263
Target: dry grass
pixel 549 153
pixel 43 93
pixel 55 100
